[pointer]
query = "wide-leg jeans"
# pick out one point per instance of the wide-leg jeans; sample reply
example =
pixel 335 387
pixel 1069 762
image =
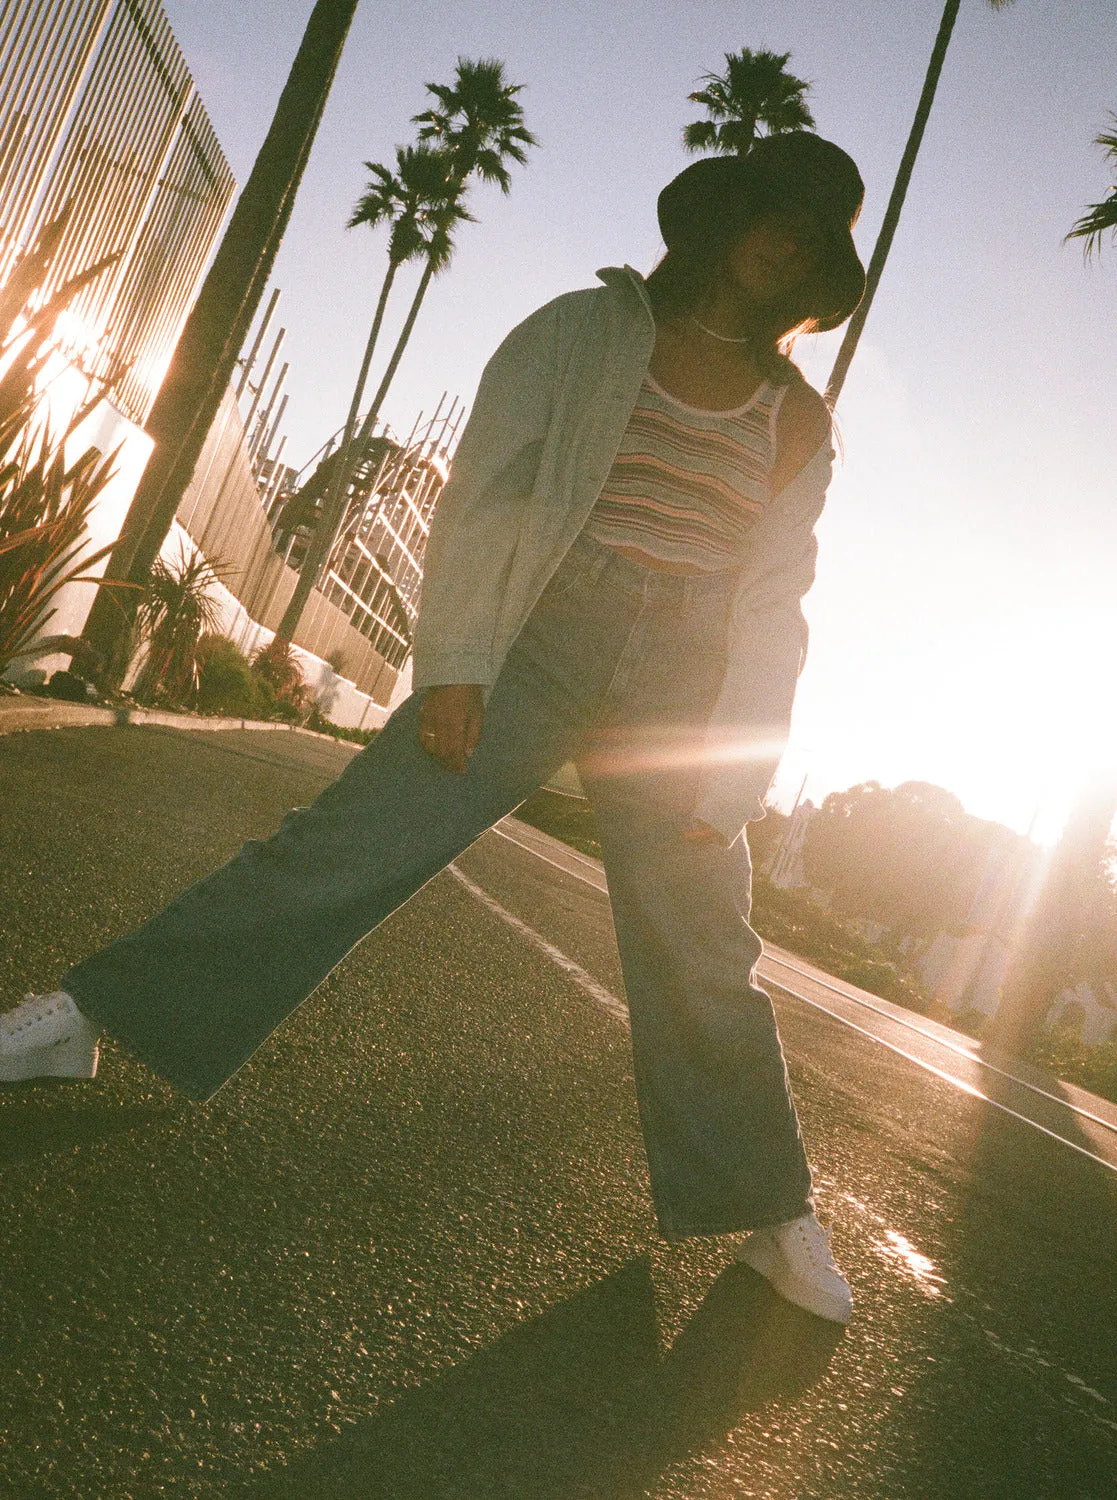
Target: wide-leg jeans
pixel 617 668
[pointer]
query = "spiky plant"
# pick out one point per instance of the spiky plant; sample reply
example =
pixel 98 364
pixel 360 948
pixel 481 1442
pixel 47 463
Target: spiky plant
pixel 177 610
pixel 45 502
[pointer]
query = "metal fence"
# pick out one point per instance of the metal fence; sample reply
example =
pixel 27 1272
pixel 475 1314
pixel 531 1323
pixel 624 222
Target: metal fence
pixel 99 115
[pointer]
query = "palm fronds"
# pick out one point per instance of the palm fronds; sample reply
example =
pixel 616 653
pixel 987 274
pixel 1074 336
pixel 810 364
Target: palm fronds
pixel 1100 218
pixel 177 610
pixel 755 90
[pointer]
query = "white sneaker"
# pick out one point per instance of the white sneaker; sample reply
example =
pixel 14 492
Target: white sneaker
pixel 795 1257
pixel 47 1037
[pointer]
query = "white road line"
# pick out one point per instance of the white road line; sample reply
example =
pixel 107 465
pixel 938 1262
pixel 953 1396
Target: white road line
pixel 960 1083
pixel 596 880
pixel 605 998
pixel 594 876
pixel 949 1046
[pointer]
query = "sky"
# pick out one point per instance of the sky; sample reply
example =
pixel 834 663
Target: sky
pixel 964 617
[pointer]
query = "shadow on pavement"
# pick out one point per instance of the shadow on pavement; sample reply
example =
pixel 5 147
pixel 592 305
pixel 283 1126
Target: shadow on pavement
pixel 579 1402
pixel 40 1129
pixel 1033 1230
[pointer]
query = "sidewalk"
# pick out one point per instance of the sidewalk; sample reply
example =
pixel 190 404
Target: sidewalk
pixel 26 711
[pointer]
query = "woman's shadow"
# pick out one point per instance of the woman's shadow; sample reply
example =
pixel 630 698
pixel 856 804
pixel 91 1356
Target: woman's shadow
pixel 579 1402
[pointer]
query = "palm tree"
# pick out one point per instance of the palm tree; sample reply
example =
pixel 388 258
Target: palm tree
pixel 419 200
pixel 755 89
pixel 896 201
pixel 475 129
pixel 478 124
pixel 1101 216
pixel 408 200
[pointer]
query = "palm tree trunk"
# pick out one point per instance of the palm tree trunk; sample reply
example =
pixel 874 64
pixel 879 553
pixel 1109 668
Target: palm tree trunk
pixel 206 351
pixel 334 504
pixel 372 416
pixel 895 203
pixel 373 413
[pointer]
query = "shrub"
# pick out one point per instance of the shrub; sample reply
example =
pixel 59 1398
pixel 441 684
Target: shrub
pixel 176 612
pixel 226 682
pixel 283 694
pixel 564 817
pixel 318 721
pixel 1060 1052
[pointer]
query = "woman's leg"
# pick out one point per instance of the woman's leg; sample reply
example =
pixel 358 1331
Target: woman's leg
pixel 195 990
pixel 722 1138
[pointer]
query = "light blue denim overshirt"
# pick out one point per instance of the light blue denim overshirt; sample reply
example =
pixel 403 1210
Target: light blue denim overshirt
pixel 548 418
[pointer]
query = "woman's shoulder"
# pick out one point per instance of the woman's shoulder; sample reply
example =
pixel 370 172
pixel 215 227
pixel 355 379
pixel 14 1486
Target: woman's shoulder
pixel 804 419
pixel 803 426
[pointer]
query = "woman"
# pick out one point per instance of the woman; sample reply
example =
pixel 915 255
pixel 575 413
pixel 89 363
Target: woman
pixel 613 577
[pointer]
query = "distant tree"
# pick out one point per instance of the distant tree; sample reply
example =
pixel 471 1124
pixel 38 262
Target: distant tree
pixel 1100 218
pixel 909 857
pixel 755 90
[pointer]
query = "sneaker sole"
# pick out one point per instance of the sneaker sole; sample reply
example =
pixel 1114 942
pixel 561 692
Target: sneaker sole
pixel 768 1263
pixel 63 1060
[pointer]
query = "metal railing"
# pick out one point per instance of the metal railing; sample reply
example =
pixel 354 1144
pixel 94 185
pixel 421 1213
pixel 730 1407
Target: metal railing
pixel 99 114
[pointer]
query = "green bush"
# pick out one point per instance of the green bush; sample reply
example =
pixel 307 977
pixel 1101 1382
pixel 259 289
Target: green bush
pixel 226 682
pixel 317 721
pixel 279 679
pixel 563 817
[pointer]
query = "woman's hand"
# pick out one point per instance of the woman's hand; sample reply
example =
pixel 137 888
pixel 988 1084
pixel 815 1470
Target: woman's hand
pixel 702 833
pixel 450 721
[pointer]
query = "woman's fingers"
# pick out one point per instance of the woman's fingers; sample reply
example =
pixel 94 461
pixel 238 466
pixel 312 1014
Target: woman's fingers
pixel 450 723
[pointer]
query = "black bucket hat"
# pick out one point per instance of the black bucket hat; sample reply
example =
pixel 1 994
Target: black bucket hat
pixel 795 168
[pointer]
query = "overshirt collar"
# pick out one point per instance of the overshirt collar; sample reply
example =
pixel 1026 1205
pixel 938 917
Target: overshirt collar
pixel 628 276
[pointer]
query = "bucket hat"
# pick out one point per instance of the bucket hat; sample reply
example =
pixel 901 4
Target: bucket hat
pixel 794 169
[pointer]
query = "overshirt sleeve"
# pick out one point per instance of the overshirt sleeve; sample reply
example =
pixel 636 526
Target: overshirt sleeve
pixel 767 646
pixel 474 530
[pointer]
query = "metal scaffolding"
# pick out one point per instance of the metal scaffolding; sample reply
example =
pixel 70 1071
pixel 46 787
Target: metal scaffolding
pixel 375 567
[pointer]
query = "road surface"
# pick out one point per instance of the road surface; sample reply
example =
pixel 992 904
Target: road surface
pixel 409 1251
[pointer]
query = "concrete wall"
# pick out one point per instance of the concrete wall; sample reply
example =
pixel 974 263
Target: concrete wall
pixel 221 516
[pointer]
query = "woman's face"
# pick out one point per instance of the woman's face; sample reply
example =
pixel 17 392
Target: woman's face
pixel 777 257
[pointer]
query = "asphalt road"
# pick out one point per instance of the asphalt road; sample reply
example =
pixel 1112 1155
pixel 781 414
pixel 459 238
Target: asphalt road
pixel 409 1251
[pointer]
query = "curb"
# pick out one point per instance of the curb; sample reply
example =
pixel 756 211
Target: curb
pixel 18 715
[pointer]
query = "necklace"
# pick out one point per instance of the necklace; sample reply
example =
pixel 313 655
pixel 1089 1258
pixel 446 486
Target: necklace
pixel 724 338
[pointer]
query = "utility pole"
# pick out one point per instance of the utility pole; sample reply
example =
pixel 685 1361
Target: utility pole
pixel 205 355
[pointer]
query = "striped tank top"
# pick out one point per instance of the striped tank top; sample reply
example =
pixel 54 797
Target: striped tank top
pixel 687 486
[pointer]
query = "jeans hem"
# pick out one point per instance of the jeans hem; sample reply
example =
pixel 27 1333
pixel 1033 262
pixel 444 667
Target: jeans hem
pixel 673 1233
pixel 199 1093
